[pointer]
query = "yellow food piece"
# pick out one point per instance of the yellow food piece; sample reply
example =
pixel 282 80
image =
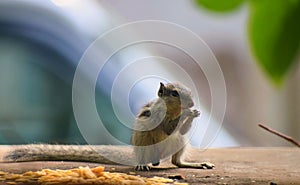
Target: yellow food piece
pixel 81 175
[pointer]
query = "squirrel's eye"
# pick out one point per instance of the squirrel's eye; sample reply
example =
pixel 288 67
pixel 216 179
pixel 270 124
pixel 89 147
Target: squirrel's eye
pixel 175 93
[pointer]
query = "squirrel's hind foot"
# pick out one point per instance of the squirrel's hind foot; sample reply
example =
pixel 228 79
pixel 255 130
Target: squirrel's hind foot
pixel 142 168
pixel 204 165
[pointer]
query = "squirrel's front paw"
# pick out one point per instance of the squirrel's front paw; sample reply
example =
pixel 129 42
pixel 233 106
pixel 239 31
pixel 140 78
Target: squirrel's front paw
pixel 191 113
pixel 195 113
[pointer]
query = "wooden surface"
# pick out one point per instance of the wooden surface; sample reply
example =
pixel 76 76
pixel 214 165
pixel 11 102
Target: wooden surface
pixel 233 166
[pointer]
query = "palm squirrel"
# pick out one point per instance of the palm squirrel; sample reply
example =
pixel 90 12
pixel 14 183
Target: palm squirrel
pixel 161 127
pixel 159 132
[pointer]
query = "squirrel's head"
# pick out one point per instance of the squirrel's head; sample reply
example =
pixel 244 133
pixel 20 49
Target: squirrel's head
pixel 176 95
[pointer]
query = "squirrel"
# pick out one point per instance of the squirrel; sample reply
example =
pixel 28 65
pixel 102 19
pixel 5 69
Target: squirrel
pixel 161 127
pixel 159 131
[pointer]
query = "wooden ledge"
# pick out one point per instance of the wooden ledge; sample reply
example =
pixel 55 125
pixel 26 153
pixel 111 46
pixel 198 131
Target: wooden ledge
pixel 233 166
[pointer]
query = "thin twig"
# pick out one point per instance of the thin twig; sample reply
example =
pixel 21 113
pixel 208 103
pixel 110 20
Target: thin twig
pixel 288 138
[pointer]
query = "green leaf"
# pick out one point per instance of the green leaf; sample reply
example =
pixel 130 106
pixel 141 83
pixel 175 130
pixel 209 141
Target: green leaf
pixel 220 5
pixel 274 32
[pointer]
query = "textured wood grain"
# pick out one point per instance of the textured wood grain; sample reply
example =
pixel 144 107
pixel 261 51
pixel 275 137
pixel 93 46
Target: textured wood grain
pixel 233 166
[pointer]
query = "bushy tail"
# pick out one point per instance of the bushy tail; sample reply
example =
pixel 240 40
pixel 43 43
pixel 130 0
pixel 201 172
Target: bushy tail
pixel 106 154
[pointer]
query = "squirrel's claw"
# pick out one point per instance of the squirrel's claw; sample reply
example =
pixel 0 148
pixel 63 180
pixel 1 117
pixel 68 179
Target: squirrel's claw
pixel 195 113
pixel 142 168
pixel 207 165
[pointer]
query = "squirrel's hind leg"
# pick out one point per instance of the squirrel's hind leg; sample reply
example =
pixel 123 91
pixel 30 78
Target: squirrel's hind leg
pixel 144 156
pixel 176 160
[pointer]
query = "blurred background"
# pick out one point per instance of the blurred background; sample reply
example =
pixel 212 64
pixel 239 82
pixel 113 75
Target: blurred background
pixel 42 42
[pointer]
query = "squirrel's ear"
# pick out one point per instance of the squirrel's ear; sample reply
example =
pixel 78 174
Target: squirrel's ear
pixel 161 90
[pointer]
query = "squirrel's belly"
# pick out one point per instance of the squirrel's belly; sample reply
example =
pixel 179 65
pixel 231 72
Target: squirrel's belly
pixel 157 136
pixel 147 138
